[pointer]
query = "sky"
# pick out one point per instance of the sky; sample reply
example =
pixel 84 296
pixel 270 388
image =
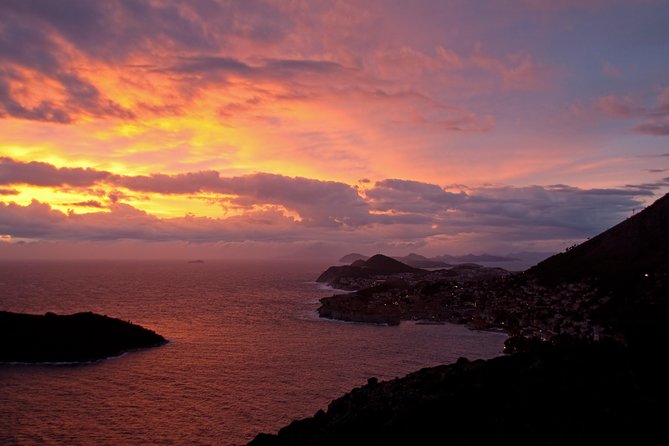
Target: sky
pixel 144 128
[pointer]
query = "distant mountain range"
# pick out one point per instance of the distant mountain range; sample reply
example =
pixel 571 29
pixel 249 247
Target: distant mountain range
pixel 515 261
pixel 350 258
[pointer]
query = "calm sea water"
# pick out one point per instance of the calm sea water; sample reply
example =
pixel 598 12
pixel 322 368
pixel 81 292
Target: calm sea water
pixel 247 353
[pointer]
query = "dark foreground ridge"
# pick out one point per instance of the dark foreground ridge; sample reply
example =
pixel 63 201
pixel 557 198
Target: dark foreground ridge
pixel 76 337
pixel 589 328
pixel 556 394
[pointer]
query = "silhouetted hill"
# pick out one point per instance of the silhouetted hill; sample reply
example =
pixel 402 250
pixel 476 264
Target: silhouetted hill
pixel 69 338
pixel 375 265
pixel 381 264
pixel 637 246
pixel 347 276
pixel 419 261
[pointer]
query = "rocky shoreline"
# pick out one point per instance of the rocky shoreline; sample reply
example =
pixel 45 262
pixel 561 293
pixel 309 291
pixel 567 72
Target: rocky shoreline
pixel 74 338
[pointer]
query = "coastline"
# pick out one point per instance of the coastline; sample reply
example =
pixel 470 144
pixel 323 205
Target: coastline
pixel 517 304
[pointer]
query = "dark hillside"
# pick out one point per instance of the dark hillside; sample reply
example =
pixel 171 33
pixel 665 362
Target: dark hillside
pixel 635 247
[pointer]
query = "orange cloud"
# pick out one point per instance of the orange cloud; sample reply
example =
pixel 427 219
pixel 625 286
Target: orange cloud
pixel 217 117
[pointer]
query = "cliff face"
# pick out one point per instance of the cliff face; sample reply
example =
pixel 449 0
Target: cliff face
pixel 70 338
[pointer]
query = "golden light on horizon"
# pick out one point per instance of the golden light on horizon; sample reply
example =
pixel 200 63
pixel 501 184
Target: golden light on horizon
pixel 275 127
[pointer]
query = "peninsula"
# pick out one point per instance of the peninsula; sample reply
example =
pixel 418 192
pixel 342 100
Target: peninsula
pixel 80 337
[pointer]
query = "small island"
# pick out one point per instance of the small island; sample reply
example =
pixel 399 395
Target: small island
pixel 80 337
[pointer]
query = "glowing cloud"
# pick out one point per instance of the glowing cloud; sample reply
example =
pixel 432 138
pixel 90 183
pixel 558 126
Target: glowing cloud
pixel 253 122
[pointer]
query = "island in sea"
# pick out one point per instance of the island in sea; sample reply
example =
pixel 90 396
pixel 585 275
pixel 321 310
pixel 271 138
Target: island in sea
pixel 80 337
pixel 588 331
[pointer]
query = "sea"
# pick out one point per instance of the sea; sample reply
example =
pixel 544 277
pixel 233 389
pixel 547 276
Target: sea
pixel 247 352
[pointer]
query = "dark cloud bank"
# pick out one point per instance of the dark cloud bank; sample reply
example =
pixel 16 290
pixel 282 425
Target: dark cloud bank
pixel 392 209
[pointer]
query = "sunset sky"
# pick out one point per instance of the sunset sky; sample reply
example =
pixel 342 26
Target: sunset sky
pixel 264 128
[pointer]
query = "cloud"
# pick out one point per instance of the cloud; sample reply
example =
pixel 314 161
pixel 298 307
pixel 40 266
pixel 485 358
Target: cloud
pixel 47 175
pixel 654 128
pixel 44 45
pixel 512 213
pixel 610 70
pixel 654 186
pixel 124 222
pixel 31 55
pixel 8 191
pixel 205 64
pixel 551 211
pixel 501 213
pixel 45 110
pixel 405 196
pixel 44 174
pixel 655 118
pixel 395 207
pixel 216 69
pixel 186 183
pixel 619 107
pixel 186 48
pixel 518 72
pixel 36 220
pixel 326 203
pixel 84 96
pixel 112 29
pixel 292 66
pixel 317 202
pixel 88 203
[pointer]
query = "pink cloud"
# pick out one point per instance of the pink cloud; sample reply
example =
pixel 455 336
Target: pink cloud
pixel 396 210
pixel 517 72
pixel 655 119
pixel 609 70
pixel 654 128
pixel 619 107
